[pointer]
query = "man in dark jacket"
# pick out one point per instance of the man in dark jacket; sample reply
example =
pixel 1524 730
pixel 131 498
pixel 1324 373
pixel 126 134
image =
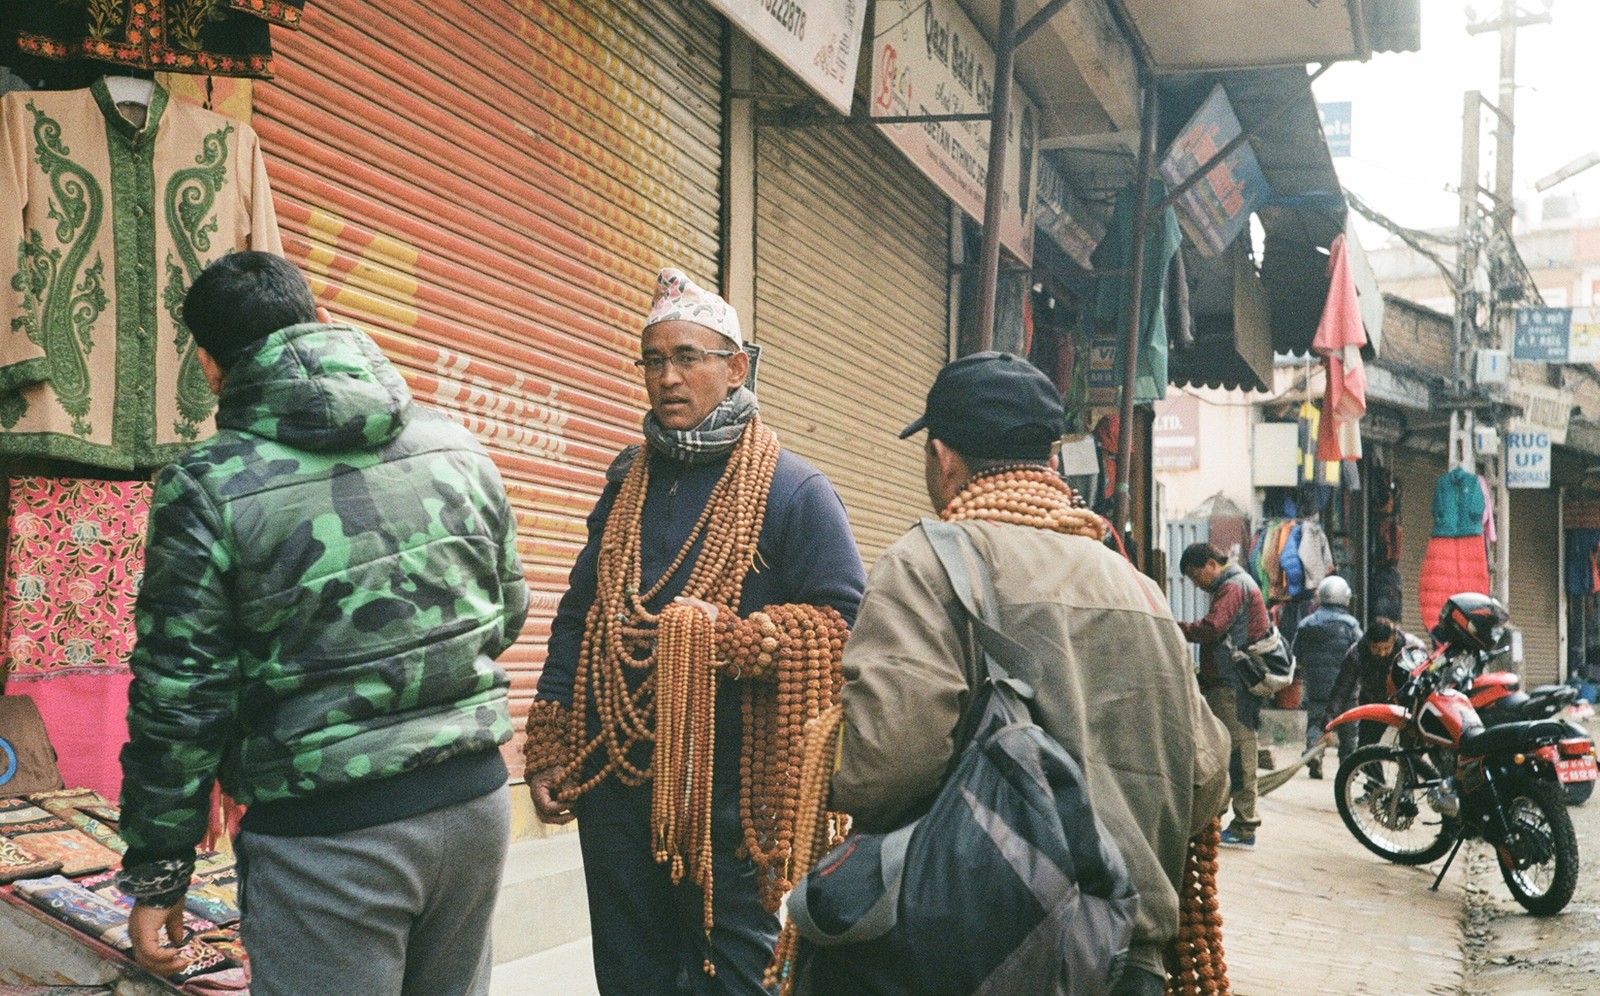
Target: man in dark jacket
pixel 666 507
pixel 1320 644
pixel 1365 676
pixel 1236 619
pixel 328 582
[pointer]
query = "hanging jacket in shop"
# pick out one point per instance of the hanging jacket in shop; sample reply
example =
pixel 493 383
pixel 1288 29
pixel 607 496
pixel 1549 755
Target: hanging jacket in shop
pixel 1316 555
pixel 1294 574
pixel 102 228
pixel 1458 504
pixel 287 639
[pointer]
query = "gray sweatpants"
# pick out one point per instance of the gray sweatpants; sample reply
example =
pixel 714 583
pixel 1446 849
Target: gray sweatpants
pixel 400 909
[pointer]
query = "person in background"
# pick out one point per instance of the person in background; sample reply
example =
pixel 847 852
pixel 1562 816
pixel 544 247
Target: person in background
pixel 328 582
pixel 1320 645
pixel 1364 677
pixel 1236 619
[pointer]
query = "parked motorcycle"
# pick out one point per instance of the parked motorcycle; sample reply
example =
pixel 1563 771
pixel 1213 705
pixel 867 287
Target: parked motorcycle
pixel 1448 777
pixel 1498 697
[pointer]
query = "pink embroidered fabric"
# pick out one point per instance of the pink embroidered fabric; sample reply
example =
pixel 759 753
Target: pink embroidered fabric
pixel 74 560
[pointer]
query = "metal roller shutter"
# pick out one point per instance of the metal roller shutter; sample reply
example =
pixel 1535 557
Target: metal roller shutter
pixel 851 313
pixel 1535 598
pixel 489 189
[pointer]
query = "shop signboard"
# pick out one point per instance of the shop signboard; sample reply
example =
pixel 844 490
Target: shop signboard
pixel 1527 457
pixel 817 40
pixel 1548 409
pixel 1556 335
pixel 1059 214
pixel 1218 208
pixel 1104 384
pixel 928 58
pixel 1175 435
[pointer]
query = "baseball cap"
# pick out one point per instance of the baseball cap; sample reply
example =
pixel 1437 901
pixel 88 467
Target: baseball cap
pixel 993 405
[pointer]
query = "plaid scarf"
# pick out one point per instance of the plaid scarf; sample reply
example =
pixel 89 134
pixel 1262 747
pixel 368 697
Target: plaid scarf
pixel 711 440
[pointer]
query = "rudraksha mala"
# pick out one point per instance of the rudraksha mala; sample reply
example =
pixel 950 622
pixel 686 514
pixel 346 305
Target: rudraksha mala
pixel 816 830
pixel 618 631
pixel 1195 965
pixel 1025 495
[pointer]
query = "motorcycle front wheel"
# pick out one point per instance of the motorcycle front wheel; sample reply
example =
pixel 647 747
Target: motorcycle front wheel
pixel 1539 861
pixel 1384 805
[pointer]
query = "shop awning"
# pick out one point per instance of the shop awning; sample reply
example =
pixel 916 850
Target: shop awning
pixel 1239 34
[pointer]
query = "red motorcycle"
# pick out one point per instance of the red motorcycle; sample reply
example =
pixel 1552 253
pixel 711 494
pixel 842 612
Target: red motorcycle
pixel 1498 698
pixel 1447 777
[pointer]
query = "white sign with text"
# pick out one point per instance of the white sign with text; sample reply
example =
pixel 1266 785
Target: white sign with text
pixel 1527 457
pixel 817 40
pixel 929 58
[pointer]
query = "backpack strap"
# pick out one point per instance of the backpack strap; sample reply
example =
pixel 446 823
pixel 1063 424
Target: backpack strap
pixel 968 571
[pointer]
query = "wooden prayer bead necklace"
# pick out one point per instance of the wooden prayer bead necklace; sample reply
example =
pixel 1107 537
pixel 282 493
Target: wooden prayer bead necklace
pixel 619 628
pixel 1195 965
pixel 1025 495
pixel 686 716
pixel 816 830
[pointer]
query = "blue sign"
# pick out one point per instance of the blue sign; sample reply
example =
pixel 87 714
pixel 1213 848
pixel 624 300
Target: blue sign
pixel 1335 117
pixel 1541 334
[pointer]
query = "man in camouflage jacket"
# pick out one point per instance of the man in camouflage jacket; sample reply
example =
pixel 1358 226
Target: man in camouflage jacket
pixel 328 582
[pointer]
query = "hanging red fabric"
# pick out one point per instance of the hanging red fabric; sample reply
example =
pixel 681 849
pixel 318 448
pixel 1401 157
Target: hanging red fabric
pixel 1340 336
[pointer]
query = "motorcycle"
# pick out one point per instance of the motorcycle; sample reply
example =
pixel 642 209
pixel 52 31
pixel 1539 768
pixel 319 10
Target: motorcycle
pixel 1448 777
pixel 1498 697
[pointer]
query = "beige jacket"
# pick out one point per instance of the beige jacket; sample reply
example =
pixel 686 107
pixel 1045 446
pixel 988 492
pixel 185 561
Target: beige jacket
pixel 1114 682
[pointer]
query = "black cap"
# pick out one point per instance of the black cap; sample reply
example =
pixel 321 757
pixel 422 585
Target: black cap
pixel 994 406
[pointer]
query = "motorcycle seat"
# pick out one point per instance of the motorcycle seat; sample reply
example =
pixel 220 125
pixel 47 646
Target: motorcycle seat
pixel 1560 692
pixel 1510 736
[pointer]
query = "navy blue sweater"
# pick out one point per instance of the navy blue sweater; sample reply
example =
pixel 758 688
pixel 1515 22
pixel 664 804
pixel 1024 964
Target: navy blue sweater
pixel 805 555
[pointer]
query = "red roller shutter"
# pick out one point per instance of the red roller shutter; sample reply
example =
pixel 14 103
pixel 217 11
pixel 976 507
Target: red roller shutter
pixel 489 189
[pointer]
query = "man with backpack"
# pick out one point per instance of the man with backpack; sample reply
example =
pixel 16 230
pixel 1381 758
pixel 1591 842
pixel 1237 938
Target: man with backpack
pixel 1320 645
pixel 1105 660
pixel 1237 618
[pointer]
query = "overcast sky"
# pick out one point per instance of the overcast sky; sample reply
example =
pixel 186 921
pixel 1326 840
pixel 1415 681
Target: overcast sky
pixel 1406 113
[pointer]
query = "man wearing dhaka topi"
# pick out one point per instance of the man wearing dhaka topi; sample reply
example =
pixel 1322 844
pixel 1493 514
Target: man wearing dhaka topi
pixel 702 628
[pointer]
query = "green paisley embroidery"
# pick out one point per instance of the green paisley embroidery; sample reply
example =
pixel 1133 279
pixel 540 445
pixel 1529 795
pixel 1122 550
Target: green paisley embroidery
pixel 191 194
pixel 186 20
pixel 62 311
pixel 105 16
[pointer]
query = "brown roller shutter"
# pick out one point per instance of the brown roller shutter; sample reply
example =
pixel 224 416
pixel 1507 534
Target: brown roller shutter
pixel 1535 596
pixel 489 189
pixel 851 313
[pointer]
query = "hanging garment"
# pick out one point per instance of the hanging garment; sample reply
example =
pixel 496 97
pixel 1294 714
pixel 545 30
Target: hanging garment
pixel 1488 509
pixel 1316 554
pixel 74 559
pixel 1294 572
pixel 1458 504
pixel 113 224
pixel 1312 469
pixel 1450 565
pixel 1339 338
pixel 1115 253
pixel 213 37
pixel 1386 598
pixel 1581 544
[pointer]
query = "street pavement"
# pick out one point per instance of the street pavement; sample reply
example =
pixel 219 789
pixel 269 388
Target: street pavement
pixel 1310 911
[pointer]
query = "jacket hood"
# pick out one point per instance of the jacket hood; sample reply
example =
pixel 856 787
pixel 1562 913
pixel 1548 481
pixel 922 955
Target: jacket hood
pixel 316 387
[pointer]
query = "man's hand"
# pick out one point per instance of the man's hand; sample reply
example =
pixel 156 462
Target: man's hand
pixel 144 929
pixel 551 812
pixel 701 604
pixel 1331 738
pixel 323 316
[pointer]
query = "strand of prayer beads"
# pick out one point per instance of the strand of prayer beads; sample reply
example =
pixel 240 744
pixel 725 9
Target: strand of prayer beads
pixel 620 630
pixel 790 657
pixel 816 830
pixel 1025 495
pixel 1195 965
pixel 680 802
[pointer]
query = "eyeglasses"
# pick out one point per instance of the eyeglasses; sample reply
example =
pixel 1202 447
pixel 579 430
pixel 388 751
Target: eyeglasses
pixel 685 360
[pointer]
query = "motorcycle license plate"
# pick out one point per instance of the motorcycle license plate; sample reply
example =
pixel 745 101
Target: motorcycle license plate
pixel 1577 769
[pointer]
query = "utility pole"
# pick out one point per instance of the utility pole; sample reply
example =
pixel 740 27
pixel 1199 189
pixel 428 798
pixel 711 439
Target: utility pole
pixel 1502 248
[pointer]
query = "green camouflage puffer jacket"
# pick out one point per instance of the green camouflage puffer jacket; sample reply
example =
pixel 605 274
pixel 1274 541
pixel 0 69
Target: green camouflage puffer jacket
pixel 328 582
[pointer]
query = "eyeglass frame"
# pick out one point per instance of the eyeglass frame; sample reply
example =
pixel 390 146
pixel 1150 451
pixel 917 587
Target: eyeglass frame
pixel 683 359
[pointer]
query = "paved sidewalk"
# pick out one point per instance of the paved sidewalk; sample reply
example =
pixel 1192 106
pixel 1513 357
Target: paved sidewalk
pixel 1310 910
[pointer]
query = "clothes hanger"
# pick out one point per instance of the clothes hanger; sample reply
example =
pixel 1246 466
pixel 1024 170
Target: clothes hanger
pixel 130 90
